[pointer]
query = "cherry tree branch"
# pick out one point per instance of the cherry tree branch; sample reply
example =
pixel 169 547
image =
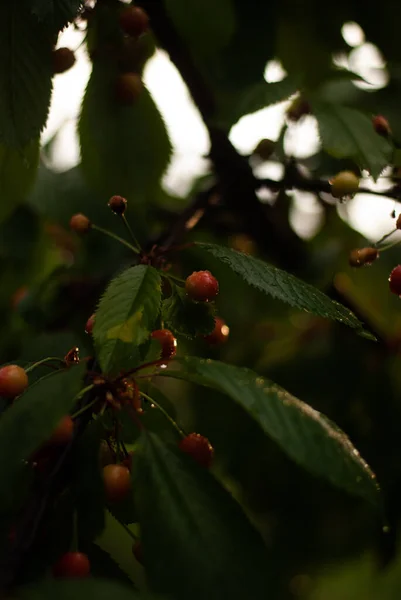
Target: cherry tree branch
pixel 237 184
pixel 321 185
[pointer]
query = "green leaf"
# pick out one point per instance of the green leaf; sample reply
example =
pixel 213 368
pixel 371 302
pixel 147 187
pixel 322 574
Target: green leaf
pixel 124 511
pixel 18 169
pixel 197 542
pixel 301 46
pixel 31 420
pixel 102 564
pixel 348 133
pixel 88 482
pixel 307 436
pixel 284 286
pixel 187 318
pixel 125 316
pixel 118 542
pixel 262 95
pixel 82 589
pixel 155 421
pixel 124 149
pixel 196 25
pixel 25 74
pixel 56 13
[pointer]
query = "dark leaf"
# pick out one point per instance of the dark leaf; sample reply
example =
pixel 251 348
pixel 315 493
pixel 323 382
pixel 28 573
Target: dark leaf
pixel 31 420
pixel 187 318
pixel 25 79
pixel 18 168
pixel 262 95
pixel 348 133
pixel 196 540
pixel 129 153
pixel 125 317
pixel 284 286
pixel 101 589
pixel 102 564
pixel 306 435
pixel 88 482
pixel 56 14
pixel 196 25
pixel 124 511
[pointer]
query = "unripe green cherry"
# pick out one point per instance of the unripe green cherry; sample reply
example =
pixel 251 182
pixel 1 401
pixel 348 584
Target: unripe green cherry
pixel 345 183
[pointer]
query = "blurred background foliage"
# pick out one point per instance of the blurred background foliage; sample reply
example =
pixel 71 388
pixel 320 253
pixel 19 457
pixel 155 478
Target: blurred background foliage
pixel 326 545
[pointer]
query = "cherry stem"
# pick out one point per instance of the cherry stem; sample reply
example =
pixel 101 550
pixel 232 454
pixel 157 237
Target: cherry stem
pixel 87 406
pixel 385 237
pixel 164 412
pixel 118 441
pixel 131 233
pixel 115 237
pixel 124 449
pixel 84 409
pixel 44 361
pixel 153 363
pixel 389 246
pixel 75 544
pixel 173 277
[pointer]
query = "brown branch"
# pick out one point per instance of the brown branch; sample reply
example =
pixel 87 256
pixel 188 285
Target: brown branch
pixel 268 226
pixel 321 185
pixel 188 218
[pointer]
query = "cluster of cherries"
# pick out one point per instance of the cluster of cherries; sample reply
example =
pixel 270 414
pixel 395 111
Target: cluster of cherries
pixel 133 21
pixel 116 477
pixel 201 286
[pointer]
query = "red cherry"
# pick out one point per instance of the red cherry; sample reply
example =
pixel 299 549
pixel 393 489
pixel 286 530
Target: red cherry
pixel 219 334
pixel 167 341
pixel 137 551
pixel 80 223
pixel 381 125
pixel 118 204
pixel 89 324
pixel 395 280
pixel 134 21
pixel 199 448
pixel 63 432
pixel 13 381
pixel 63 60
pixel 117 482
pixel 72 565
pixel 201 286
